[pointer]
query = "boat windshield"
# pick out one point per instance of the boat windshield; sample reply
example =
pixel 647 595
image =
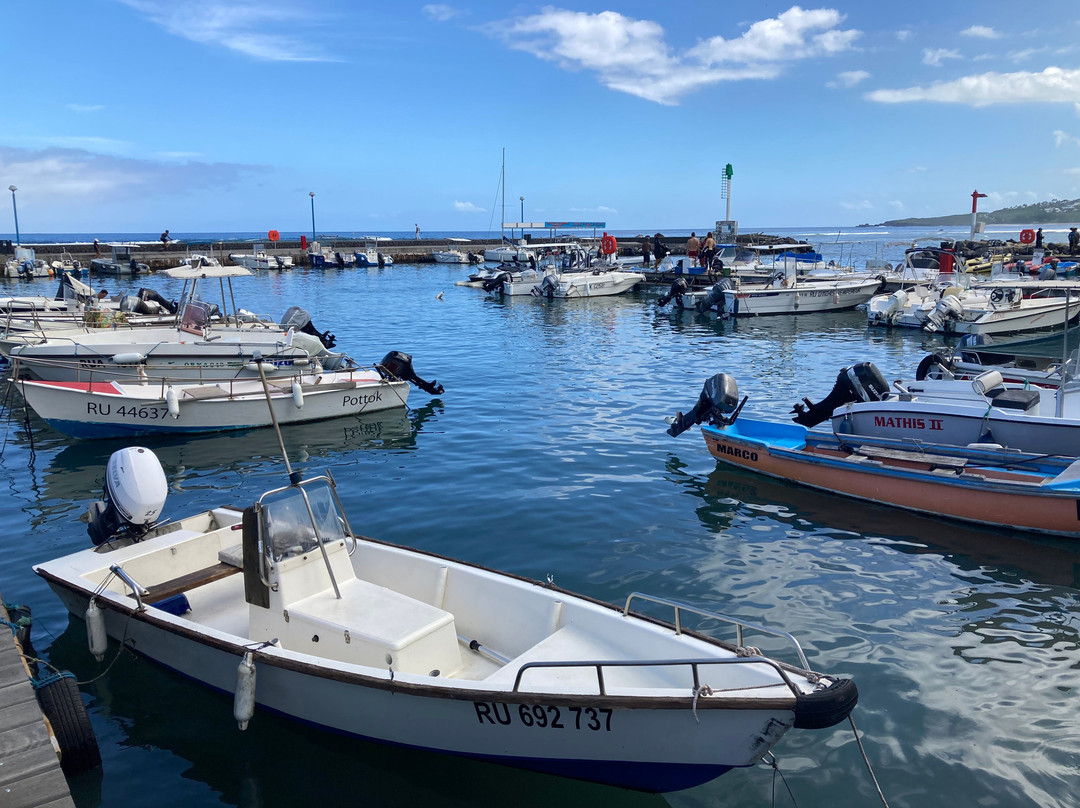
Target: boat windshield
pixel 288 528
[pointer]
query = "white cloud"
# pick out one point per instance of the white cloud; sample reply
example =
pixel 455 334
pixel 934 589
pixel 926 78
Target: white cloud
pixel 632 56
pixel 440 12
pixel 896 203
pixel 981 32
pixel 467 207
pixel 1064 138
pixel 849 78
pixel 78 174
pixel 1052 86
pixel 85 107
pixel 916 169
pixel 862 204
pixel 904 34
pixel 1070 171
pixel 934 56
pixel 261 30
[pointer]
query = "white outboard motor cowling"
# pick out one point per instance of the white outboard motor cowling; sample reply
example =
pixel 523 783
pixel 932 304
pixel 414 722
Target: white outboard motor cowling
pixel 135 492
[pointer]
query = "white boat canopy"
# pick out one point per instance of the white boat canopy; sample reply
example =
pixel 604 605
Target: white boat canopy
pixel 186 273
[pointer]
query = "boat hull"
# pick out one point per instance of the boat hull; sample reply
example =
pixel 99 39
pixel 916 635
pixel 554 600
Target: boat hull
pixel 110 410
pixel 801 298
pixel 665 739
pixel 781 451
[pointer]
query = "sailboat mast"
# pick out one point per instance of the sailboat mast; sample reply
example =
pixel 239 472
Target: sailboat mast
pixel 502 221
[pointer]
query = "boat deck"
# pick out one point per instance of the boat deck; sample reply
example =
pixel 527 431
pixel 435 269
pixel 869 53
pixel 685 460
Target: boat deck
pixel 30 775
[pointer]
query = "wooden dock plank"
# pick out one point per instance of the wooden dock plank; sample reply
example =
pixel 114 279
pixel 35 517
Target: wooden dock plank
pixel 30 776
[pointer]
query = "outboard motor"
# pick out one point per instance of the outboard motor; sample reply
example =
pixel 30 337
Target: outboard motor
pixel 135 491
pixel 340 259
pixel 150 296
pixel 298 318
pixel 496 283
pixel 948 308
pixel 26 268
pixel 895 305
pixel 715 297
pixel 546 287
pixel 718 403
pixel 133 265
pixel 679 287
pixel 398 365
pixel 860 382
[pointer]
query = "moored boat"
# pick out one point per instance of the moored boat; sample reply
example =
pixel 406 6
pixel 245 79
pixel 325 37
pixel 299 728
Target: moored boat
pixel 112 409
pixel 985 485
pixel 405 647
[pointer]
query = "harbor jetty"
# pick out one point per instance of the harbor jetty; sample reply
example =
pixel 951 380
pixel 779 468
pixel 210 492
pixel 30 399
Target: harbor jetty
pixel 404 251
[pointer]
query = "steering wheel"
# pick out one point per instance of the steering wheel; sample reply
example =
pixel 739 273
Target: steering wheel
pixel 997 295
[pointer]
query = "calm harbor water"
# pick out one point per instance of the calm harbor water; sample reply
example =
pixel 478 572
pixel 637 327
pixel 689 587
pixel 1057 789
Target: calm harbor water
pixel 547 455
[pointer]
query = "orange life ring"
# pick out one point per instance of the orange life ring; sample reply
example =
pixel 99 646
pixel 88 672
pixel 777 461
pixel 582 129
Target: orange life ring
pixel 273 235
pixel 608 244
pixel 1027 236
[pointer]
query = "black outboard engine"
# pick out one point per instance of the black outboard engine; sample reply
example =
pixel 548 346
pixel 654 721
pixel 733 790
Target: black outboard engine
pixel 718 403
pixel 149 295
pixel 679 287
pixel 134 266
pixel 860 382
pixel 298 318
pixel 135 491
pixel 398 365
pixel 495 283
pixel 340 259
pixel 715 297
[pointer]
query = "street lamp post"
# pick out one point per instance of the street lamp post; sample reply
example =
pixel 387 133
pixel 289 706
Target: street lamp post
pixel 522 219
pixel 312 195
pixel 15 210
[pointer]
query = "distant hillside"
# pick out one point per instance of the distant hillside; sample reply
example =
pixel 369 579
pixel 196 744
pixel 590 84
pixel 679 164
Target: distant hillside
pixel 1056 211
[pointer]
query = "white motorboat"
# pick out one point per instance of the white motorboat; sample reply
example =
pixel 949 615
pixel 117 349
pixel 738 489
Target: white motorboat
pixel 26 264
pixel 371 257
pixel 120 262
pixel 992 307
pixel 785 294
pixel 456 257
pixel 112 409
pixel 258 258
pixel 950 412
pixel 401 646
pixel 590 283
pixel 201 347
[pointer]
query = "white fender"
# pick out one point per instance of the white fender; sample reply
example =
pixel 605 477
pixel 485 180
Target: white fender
pixel 172 401
pixel 298 395
pixel 244 699
pixel 133 358
pixel 96 637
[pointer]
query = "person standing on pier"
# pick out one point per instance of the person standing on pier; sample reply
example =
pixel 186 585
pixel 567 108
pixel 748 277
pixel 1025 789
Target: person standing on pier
pixel 97 249
pixel 417 232
pixel 1038 239
pixel 646 253
pixel 708 250
pixel 692 246
pixel 165 241
pixel 1074 241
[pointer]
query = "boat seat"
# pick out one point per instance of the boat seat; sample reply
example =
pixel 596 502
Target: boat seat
pixel 375 626
pixel 567 643
pixel 1022 400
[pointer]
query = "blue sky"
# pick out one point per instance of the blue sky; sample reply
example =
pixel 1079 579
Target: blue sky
pixel 202 115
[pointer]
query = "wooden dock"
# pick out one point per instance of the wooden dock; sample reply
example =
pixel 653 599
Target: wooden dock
pixel 30 774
